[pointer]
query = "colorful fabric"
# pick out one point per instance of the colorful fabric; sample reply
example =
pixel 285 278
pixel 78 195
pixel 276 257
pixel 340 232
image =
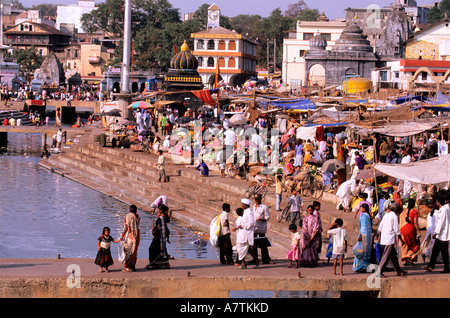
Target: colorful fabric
pixel 365 232
pixel 411 246
pixel 131 240
pixel 205 96
pixel 309 255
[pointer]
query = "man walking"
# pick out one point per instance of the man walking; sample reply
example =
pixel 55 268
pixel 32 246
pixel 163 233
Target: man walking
pixel 261 216
pixel 389 231
pixel 225 246
pixel 161 167
pixel 441 236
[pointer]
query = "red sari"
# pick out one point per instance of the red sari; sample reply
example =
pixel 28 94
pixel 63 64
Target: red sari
pixel 410 249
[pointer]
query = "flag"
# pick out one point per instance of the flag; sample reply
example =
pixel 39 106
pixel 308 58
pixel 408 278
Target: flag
pixel 175 50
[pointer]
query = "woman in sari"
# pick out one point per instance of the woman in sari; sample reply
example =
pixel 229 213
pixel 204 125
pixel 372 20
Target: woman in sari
pixel 310 231
pixel 158 256
pixel 365 237
pixel 409 229
pixel 131 238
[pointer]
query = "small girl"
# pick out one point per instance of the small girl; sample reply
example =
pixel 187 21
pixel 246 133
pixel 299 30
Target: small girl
pixel 104 258
pixel 294 252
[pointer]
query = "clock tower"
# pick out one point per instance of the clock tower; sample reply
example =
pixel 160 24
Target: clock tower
pixel 213 16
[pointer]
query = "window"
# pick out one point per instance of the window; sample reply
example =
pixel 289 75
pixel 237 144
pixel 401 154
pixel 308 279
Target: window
pixel 307 36
pixel 211 45
pixel 301 53
pixel 210 62
pixel 397 74
pixel 327 36
pixel 200 61
pixel 424 76
pixel 231 46
pixel 383 75
pixel 200 45
pixel 221 45
pixel 221 62
pixel 231 63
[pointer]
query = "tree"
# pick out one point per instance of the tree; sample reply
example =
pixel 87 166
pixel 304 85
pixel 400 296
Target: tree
pixel 47 9
pixel 294 10
pixel 437 13
pixel 309 15
pixel 28 59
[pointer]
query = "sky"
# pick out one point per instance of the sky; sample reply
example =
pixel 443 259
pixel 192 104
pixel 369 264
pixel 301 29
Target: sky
pixel 231 8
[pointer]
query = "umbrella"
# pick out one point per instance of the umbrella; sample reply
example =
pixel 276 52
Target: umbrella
pixel 146 133
pixel 184 120
pixel 113 112
pixel 368 174
pixel 127 122
pixel 140 105
pixel 332 165
pixel 313 161
pixel 238 119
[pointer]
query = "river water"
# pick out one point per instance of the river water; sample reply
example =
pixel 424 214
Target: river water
pixel 43 215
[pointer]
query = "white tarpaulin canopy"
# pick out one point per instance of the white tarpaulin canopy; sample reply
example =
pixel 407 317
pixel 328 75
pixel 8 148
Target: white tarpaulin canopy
pixel 429 171
pixel 405 129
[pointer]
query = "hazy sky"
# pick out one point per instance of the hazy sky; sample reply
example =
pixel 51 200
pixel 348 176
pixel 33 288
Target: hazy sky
pixel 333 8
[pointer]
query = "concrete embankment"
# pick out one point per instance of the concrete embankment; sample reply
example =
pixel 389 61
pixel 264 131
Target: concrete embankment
pixel 130 176
pixel 79 278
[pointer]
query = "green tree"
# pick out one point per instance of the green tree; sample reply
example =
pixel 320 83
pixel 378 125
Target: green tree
pixel 309 15
pixel 439 12
pixel 46 9
pixel 28 59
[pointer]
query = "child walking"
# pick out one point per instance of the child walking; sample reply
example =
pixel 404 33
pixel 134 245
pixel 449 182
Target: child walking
pixel 339 236
pixel 104 258
pixel 294 252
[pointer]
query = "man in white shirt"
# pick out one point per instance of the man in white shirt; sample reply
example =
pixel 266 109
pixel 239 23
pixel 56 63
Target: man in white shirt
pixel 225 246
pixel 441 236
pixel 388 232
pixel 245 232
pixel 261 217
pixel 161 167
pixel 230 139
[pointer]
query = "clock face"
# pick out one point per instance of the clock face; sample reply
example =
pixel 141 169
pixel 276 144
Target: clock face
pixel 213 15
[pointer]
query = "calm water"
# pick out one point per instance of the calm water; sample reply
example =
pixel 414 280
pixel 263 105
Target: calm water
pixel 43 214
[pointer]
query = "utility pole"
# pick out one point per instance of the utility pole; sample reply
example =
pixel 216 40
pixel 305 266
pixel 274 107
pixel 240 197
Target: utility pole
pixel 271 55
pixel 125 94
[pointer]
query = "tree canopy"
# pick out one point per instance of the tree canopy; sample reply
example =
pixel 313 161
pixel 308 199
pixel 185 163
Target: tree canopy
pixel 157 28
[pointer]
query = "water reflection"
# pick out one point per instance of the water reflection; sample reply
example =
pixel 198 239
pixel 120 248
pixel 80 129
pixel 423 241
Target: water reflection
pixel 44 214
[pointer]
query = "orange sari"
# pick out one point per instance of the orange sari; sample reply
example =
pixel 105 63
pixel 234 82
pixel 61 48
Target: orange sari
pixel 410 249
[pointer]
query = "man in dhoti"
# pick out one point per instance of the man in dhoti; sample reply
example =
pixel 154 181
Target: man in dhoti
pixel 244 232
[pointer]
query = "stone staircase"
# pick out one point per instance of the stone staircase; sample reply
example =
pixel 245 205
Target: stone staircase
pixel 131 176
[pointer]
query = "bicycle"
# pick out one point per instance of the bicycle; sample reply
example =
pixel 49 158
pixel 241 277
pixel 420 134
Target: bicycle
pixel 257 187
pixel 285 214
pixel 312 184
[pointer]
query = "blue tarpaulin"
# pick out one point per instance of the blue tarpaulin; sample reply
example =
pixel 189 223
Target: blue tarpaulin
pixel 409 98
pixel 295 104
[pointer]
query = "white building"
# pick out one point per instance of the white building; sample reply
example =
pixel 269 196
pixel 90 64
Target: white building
pixel 297 43
pixel 71 14
pixel 234 53
pixel 33 16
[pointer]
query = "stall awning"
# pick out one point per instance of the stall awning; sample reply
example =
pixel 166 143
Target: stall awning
pixel 429 171
pixel 405 129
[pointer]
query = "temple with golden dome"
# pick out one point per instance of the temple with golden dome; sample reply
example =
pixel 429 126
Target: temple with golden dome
pixel 182 74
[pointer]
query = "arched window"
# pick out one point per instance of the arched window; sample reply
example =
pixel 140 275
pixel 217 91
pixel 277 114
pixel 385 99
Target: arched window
pixel 200 45
pixel 222 45
pixel 200 61
pixel 221 62
pixel 231 46
pixel 210 62
pixel 231 62
pixel 211 45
